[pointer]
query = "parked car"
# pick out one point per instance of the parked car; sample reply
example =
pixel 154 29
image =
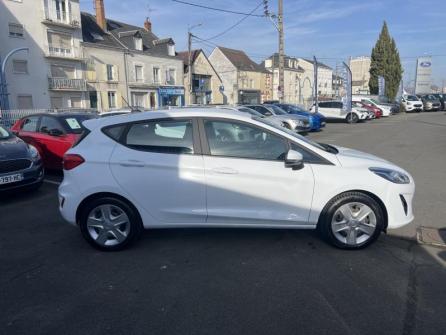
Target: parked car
pixel 375 110
pixel 215 168
pixel 441 98
pixel 298 123
pixel 411 103
pixel 430 103
pixel 20 163
pixel 386 108
pixel 317 120
pixel 52 134
pixel 333 110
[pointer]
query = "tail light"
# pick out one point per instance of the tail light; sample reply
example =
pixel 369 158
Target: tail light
pixel 70 161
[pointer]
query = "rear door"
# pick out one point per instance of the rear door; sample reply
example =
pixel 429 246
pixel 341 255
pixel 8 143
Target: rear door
pixel 159 164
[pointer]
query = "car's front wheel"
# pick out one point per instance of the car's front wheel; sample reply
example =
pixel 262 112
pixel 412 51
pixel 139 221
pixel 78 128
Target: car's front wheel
pixel 110 224
pixel 352 220
pixel 352 118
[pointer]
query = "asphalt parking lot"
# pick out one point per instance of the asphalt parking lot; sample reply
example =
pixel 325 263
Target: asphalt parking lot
pixel 226 281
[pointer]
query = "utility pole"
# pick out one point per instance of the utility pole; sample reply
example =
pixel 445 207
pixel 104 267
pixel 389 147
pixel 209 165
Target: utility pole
pixel 281 52
pixel 189 63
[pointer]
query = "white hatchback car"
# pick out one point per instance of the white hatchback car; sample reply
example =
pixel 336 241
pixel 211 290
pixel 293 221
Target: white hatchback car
pixel 217 168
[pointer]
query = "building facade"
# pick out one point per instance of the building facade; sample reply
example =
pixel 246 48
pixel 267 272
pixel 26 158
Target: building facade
pixel 51 73
pixel 244 81
pixel 206 85
pixel 360 67
pixel 293 79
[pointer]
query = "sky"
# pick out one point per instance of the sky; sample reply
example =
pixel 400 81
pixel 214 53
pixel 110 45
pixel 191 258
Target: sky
pixel 331 30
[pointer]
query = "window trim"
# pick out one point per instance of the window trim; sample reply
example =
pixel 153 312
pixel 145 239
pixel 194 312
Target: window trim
pixel 20 61
pixel 318 159
pixel 127 125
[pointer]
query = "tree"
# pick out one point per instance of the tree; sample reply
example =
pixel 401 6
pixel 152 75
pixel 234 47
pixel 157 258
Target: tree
pixel 386 62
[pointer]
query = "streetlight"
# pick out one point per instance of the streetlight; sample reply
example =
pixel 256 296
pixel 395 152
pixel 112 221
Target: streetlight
pixel 4 101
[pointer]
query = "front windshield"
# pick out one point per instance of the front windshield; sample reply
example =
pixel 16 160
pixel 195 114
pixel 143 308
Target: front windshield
pixel 411 98
pixel 3 133
pixel 290 132
pixel 374 101
pixel 74 122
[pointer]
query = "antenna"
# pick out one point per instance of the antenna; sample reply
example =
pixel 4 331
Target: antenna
pixel 149 10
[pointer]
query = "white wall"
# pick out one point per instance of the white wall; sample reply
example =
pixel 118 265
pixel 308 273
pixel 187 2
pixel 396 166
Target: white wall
pixel 228 74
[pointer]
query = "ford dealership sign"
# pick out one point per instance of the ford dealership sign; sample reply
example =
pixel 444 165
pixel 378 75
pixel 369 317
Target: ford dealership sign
pixel 423 79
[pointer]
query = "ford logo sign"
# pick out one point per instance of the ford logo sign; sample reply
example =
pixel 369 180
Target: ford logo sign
pixel 425 64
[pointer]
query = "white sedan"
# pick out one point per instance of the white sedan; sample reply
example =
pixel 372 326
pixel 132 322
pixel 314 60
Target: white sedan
pixel 217 168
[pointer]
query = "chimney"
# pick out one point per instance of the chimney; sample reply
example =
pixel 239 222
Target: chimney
pixel 100 14
pixel 147 24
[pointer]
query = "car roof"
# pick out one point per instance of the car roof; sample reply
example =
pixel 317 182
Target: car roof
pixel 64 114
pixel 170 113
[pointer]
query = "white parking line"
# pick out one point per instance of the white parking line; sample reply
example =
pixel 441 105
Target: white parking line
pixel 51 182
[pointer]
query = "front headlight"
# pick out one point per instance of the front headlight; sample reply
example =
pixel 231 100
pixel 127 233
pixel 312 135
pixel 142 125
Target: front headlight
pixel 35 156
pixel 391 175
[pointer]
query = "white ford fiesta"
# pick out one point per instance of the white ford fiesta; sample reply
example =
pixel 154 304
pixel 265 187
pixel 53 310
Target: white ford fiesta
pixel 218 168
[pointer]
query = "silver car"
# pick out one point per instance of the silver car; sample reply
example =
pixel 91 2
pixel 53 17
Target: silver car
pixel 299 123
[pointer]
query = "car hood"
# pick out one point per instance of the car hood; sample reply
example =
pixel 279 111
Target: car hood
pixel 355 158
pixel 291 116
pixel 13 148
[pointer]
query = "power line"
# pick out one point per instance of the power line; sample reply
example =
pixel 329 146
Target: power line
pixel 216 9
pixel 235 24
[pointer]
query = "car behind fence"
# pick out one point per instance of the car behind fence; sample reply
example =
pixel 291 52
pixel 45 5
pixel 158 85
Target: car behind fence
pixel 9 117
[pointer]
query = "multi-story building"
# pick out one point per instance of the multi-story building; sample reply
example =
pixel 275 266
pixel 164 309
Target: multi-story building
pixel 133 57
pixel 293 79
pixel 51 73
pixel 324 77
pixel 243 79
pixel 206 85
pixel 360 67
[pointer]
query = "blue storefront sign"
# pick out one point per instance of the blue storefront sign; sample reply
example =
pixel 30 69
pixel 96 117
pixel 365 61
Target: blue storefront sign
pixel 171 96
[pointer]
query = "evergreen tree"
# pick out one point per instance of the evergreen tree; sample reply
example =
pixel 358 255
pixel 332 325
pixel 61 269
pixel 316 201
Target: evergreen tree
pixel 385 61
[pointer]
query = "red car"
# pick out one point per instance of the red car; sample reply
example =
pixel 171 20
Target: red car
pixel 378 112
pixel 52 134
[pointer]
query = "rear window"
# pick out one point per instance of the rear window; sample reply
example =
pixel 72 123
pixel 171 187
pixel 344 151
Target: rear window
pixel 74 123
pixel 163 136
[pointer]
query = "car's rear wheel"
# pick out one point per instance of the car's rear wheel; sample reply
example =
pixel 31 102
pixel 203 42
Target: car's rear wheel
pixel 351 220
pixel 352 118
pixel 110 224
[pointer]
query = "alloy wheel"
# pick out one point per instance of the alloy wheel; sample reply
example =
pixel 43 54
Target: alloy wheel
pixel 108 225
pixel 353 223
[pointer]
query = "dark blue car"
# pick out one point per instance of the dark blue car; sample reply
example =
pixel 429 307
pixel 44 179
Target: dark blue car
pixel 317 120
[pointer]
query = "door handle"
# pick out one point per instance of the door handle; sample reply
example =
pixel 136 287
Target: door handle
pixel 224 170
pixel 132 163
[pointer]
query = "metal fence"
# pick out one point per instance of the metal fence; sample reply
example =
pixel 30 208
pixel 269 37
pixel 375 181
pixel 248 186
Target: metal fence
pixel 9 117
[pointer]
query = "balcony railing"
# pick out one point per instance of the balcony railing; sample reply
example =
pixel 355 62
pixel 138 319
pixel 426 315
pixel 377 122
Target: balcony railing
pixel 61 17
pixel 63 52
pixel 67 84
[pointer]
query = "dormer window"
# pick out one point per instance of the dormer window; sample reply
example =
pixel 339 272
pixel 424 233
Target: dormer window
pixel 171 49
pixel 138 43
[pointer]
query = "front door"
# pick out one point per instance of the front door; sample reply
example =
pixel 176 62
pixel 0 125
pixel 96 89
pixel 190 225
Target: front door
pixel 159 166
pixel 247 181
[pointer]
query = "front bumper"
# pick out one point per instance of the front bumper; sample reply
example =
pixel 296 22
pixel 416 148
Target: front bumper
pixel 31 176
pixel 399 205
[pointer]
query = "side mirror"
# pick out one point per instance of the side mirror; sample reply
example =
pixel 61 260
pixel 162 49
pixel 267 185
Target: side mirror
pixel 294 160
pixel 55 132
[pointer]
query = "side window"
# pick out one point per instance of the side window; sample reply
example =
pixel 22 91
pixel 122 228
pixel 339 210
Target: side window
pixel 163 136
pixel 50 123
pixel 307 155
pixel 324 104
pixel 337 104
pixel 235 139
pixel 30 124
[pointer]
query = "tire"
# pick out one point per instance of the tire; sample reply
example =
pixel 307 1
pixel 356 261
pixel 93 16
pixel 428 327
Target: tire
pixel 120 222
pixel 352 118
pixel 339 231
